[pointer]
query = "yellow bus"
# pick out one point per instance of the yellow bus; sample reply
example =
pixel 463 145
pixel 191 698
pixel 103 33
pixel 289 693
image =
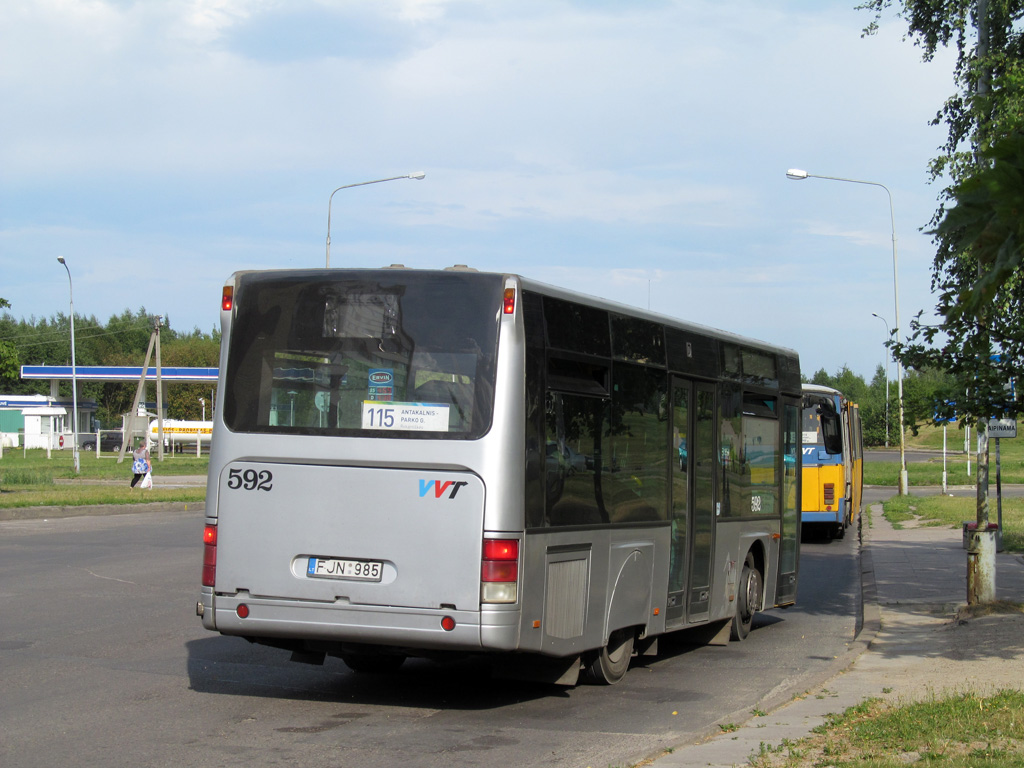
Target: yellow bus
pixel 833 460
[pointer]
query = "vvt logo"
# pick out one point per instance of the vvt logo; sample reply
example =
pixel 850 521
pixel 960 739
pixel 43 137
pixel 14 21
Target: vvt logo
pixel 451 487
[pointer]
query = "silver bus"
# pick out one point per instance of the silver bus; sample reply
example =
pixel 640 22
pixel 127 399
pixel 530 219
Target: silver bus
pixel 431 462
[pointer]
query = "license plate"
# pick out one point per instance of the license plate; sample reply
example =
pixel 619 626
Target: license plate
pixel 336 568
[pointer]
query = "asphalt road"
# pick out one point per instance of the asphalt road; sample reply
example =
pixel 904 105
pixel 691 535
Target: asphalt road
pixel 103 662
pixel 912 456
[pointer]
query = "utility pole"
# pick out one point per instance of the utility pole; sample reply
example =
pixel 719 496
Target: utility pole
pixel 140 391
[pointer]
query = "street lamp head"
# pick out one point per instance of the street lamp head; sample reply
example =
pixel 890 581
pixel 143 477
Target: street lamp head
pixel 417 175
pixel 796 174
pixel 60 259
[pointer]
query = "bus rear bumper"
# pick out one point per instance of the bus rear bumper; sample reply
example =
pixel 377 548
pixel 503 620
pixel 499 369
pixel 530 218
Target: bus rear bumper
pixel 414 628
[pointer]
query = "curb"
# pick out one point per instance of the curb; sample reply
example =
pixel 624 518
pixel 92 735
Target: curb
pixel 870 623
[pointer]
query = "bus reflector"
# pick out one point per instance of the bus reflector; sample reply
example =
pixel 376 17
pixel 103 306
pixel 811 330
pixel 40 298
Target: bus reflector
pixel 209 555
pixel 499 571
pixel 510 301
pixel 242 610
pixel 227 298
pixel 447 623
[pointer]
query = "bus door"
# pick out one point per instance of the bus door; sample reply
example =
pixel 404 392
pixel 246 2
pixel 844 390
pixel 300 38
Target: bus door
pixel 682 492
pixel 704 471
pixel 789 544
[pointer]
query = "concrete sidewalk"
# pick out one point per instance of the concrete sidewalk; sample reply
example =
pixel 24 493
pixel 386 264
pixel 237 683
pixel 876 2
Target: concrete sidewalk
pixel 914 642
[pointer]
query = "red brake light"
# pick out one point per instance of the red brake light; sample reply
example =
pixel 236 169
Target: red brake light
pixel 500 560
pixel 829 493
pixel 509 304
pixel 209 555
pixel 499 571
pixel 501 549
pixel 227 298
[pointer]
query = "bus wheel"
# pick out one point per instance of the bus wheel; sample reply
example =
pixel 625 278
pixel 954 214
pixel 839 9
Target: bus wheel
pixel 373 663
pixel 608 665
pixel 748 597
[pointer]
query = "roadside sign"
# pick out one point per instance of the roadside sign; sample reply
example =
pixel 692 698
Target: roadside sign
pixel 60 441
pixel 1002 427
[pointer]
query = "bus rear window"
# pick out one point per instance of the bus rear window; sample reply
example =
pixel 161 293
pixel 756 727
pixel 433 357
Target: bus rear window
pixel 368 353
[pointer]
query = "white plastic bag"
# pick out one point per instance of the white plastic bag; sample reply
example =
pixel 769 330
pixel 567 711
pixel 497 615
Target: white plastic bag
pixel 147 481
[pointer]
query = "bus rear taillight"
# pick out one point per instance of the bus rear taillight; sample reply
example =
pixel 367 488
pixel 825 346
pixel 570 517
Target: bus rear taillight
pixel 227 298
pixel 209 555
pixel 499 571
pixel 830 494
pixel 509 302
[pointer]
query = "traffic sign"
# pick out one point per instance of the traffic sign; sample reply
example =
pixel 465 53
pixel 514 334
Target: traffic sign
pixel 60 441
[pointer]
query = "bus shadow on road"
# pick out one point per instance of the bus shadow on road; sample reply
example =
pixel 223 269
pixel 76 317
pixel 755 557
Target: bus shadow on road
pixel 230 666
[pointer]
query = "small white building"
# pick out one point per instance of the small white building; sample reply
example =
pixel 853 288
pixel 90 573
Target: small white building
pixel 42 420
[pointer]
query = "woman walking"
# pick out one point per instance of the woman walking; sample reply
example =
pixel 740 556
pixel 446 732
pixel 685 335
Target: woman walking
pixel 140 462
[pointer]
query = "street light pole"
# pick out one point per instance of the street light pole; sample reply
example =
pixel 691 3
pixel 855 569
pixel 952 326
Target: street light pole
pixel 888 335
pixel 416 175
pixel 797 175
pixel 74 376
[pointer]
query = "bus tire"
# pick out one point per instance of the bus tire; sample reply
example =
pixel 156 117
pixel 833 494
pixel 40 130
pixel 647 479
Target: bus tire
pixel 609 664
pixel 748 597
pixel 373 663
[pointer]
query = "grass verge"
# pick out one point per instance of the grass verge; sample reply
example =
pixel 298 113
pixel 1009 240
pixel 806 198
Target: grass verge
pixel 930 472
pixel 30 479
pixel 960 731
pixel 948 511
pixel 18 496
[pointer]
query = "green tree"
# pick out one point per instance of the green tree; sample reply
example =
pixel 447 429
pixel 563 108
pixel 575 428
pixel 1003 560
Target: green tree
pixel 9 365
pixel 981 293
pixel 195 350
pixel 978 226
pixel 988 75
pixel 878 421
pixel 978 252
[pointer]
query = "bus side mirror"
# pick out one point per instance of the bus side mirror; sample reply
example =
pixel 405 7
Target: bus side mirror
pixel 831 431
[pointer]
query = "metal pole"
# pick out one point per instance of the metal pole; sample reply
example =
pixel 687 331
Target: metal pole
pixel 945 487
pixel 74 376
pixel 416 175
pixel 798 174
pixel 999 498
pixel 889 334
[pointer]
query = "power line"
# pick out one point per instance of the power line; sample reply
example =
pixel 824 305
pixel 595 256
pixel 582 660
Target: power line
pixel 56 335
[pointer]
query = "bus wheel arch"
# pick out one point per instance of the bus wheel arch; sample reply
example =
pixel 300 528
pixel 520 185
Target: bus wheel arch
pixel 749 596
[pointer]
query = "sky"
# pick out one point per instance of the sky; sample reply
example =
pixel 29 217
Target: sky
pixel 635 151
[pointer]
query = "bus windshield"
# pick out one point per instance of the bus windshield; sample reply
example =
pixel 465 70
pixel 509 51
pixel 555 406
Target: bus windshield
pixel 380 353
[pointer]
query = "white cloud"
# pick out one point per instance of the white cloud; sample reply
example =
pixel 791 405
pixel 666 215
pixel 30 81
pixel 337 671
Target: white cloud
pixel 570 139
